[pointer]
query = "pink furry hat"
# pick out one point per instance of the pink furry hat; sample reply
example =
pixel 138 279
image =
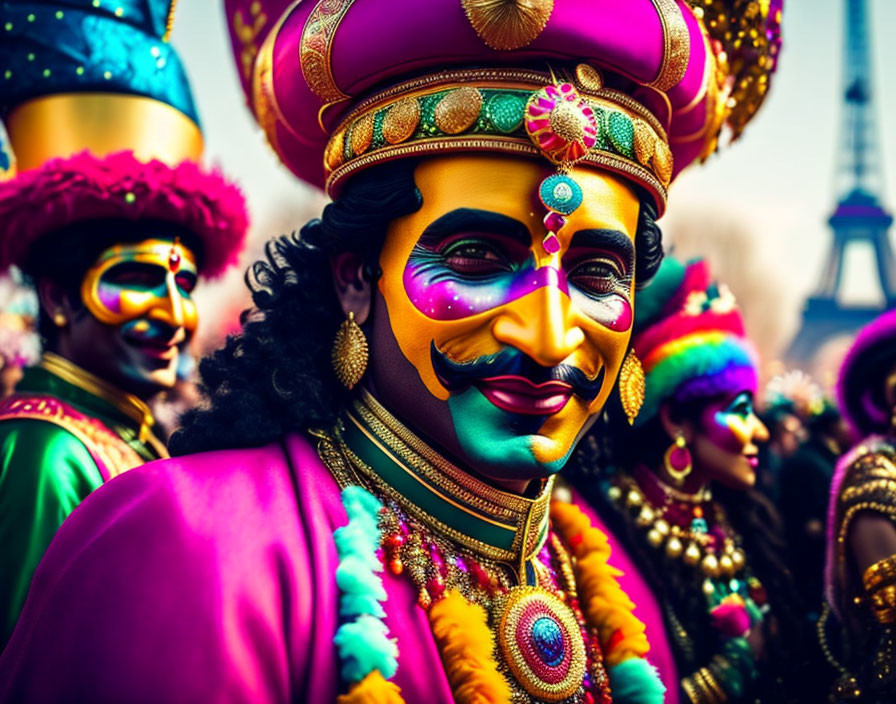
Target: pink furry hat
pixel 87 187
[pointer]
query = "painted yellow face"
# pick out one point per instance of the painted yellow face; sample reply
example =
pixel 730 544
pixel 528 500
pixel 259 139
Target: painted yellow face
pixel 523 344
pixel 142 283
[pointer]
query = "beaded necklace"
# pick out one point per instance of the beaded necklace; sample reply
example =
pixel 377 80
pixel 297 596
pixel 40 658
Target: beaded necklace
pixel 520 619
pixel 678 525
pixel 694 529
pixel 436 566
pixel 560 641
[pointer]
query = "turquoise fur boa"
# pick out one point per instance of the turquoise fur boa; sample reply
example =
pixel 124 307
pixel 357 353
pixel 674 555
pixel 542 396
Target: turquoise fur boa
pixel 362 640
pixel 636 681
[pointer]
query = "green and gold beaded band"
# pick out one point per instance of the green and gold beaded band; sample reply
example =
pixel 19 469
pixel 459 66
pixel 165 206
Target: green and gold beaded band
pixel 485 110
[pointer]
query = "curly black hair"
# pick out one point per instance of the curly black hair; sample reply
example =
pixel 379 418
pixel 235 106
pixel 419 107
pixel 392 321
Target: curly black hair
pixel 611 447
pixel 275 376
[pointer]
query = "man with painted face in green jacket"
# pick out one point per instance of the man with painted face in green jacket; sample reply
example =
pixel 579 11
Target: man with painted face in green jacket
pixel 106 211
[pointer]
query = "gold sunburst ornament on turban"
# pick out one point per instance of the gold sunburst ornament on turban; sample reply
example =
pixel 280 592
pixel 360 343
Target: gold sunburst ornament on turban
pixel 508 24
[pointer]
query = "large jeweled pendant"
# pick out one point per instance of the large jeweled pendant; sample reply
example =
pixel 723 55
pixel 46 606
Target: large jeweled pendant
pixel 561 123
pixel 541 642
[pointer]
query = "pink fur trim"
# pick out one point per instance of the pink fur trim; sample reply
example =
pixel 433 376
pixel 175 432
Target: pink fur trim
pixel 730 618
pixel 86 187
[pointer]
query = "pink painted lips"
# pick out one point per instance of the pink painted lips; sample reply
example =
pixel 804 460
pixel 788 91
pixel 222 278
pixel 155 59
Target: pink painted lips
pixel 517 394
pixel 753 460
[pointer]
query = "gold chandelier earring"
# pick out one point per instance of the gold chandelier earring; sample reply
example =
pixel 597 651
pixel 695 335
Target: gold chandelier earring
pixel 350 352
pixel 677 459
pixel 631 386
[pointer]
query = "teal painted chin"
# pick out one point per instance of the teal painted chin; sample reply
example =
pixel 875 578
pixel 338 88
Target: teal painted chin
pixel 498 443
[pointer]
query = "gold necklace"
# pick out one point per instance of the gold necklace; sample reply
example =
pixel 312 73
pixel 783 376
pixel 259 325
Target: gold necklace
pixel 436 564
pixel 522 521
pixel 693 546
pixel 701 496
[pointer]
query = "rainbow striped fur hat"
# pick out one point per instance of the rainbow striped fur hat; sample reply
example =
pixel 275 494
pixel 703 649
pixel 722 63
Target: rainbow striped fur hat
pixel 689 336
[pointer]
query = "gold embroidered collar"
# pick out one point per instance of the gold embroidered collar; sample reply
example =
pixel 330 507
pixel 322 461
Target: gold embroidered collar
pixel 499 525
pixel 127 404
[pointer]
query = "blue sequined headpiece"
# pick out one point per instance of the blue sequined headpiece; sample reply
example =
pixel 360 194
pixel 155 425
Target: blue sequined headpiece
pixel 99 46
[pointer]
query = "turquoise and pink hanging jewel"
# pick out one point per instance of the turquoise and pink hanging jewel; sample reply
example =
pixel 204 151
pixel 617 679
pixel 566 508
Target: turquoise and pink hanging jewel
pixel 562 125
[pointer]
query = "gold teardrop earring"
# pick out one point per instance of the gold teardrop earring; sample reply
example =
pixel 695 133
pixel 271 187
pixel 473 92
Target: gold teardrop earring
pixel 631 386
pixel 350 353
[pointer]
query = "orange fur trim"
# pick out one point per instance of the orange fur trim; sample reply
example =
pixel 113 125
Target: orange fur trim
pixel 466 645
pixel 605 605
pixel 373 689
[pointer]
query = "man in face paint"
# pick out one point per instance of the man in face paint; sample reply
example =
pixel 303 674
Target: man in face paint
pixel 137 317
pixel 500 351
pixel 377 519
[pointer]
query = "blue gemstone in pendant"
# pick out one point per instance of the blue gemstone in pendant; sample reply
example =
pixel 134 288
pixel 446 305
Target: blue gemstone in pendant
pixel 560 193
pixel 548 640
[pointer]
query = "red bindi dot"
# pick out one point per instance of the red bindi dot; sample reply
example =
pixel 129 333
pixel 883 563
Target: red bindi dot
pixel 174 260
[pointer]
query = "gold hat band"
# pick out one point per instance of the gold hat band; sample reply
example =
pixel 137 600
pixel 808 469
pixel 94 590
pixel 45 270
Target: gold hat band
pixel 62 125
pixel 485 110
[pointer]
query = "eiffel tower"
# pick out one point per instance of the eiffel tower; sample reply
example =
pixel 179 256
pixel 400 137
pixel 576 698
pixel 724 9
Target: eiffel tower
pixel 859 216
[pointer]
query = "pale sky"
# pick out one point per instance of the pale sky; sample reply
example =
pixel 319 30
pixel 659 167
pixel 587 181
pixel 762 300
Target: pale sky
pixel 777 181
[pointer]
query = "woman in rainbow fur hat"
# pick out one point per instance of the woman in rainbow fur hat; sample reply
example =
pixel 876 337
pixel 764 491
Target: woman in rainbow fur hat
pixel 679 499
pixel 860 573
pixel 366 515
pixel 111 218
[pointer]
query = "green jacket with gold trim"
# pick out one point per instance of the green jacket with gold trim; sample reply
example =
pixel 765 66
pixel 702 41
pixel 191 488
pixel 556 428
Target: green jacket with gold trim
pixel 62 434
